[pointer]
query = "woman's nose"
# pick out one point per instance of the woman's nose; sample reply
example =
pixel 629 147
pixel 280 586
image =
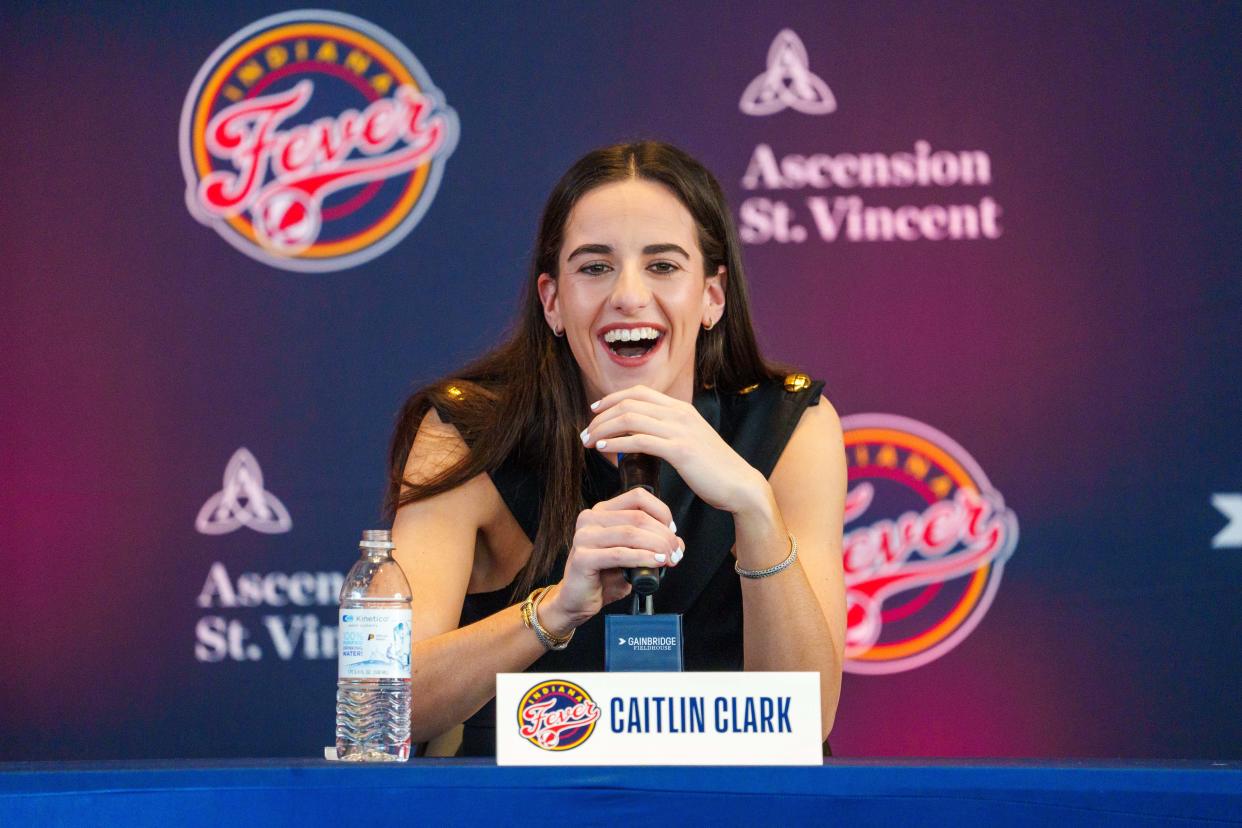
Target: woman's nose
pixel 630 292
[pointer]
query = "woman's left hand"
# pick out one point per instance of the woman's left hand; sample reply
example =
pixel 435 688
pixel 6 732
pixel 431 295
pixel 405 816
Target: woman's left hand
pixel 640 419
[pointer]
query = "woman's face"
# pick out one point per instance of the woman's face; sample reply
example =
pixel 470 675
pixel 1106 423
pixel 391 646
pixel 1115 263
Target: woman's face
pixel 632 296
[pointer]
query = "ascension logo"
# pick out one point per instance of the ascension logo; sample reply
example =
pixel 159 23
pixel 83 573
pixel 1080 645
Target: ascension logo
pixel 313 141
pixel 926 541
pixel 845 186
pixel 556 715
pixel 242 501
pixel 788 82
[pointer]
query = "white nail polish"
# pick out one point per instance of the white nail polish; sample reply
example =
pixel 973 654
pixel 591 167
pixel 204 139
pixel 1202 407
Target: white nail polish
pixel 660 557
pixel 595 405
pixel 672 526
pixel 677 556
pixel 585 437
pixel 601 444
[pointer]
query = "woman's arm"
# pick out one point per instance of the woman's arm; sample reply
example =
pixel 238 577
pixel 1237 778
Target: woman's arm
pixel 795 619
pixel 453 671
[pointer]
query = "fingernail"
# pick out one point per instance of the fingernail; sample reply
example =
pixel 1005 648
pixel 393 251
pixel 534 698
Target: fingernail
pixel 595 404
pixel 660 557
pixel 672 526
pixel 601 444
pixel 586 437
pixel 677 556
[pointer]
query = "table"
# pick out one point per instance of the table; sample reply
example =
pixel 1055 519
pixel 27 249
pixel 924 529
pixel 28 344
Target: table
pixel 186 793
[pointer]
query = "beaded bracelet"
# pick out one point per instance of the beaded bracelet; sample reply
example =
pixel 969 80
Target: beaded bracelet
pixel 771 570
pixel 530 617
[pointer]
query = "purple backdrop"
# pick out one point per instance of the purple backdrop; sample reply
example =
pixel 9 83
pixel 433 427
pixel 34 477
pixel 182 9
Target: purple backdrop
pixel 1015 226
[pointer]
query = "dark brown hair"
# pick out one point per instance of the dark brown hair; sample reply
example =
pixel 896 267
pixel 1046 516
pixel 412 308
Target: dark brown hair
pixel 525 397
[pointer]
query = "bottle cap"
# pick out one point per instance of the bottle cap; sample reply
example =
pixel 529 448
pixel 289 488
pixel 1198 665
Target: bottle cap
pixel 377 539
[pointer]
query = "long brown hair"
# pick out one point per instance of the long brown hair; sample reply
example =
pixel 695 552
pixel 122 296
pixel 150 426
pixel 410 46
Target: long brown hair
pixel 525 397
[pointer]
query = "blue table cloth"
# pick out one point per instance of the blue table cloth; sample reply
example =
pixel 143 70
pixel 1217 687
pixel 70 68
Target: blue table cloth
pixel 474 792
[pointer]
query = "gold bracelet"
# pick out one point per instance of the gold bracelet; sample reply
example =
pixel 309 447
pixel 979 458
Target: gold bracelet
pixel 530 617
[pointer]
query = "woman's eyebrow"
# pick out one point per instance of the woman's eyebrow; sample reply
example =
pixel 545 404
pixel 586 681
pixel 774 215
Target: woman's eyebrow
pixel 606 250
pixel 597 249
pixel 657 249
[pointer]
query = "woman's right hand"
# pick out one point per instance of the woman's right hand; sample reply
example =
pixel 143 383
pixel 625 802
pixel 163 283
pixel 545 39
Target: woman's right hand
pixel 632 529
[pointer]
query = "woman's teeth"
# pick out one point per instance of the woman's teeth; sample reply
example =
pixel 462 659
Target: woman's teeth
pixel 631 342
pixel 630 334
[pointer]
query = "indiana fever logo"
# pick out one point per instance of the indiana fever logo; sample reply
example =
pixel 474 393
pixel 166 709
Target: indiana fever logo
pixel 557 715
pixel 313 141
pixel 926 540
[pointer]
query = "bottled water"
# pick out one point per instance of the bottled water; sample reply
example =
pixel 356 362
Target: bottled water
pixel 373 672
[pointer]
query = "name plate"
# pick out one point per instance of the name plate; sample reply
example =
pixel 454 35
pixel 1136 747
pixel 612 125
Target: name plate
pixel 658 719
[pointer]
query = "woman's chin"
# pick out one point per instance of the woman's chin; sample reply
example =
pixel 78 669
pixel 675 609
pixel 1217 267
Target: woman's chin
pixel 655 378
pixel 607 376
pixel 611 381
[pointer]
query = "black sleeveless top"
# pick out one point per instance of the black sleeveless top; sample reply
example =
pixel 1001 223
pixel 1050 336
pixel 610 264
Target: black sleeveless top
pixel 757 424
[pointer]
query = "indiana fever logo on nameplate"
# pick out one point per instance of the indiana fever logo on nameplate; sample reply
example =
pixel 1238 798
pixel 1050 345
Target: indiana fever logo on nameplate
pixel 926 541
pixel 313 141
pixel 557 715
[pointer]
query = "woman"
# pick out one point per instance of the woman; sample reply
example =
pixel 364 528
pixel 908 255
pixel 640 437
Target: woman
pixel 634 336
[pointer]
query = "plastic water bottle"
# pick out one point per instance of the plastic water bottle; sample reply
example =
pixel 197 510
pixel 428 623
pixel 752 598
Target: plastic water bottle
pixel 373 672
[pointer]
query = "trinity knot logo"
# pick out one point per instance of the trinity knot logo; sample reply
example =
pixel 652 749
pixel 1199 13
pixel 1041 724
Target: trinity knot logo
pixel 788 82
pixel 926 541
pixel 313 141
pixel 243 501
pixel 556 715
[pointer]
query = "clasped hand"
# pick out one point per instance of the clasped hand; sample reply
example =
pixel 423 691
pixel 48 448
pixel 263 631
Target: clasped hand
pixel 634 528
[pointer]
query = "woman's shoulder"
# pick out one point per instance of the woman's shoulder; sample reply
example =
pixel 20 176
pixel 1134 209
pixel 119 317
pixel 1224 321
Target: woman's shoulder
pixel 503 488
pixel 439 430
pixel 441 422
pixel 461 401
pixel 437 447
pixel 758 420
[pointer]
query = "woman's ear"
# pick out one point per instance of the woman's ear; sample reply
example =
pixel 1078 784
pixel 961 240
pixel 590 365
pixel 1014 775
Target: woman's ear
pixel 547 297
pixel 714 293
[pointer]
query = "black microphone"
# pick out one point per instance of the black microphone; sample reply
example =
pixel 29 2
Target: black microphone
pixel 641 471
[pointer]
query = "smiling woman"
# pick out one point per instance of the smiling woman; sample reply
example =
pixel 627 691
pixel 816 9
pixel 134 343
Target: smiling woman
pixel 634 336
pixel 632 272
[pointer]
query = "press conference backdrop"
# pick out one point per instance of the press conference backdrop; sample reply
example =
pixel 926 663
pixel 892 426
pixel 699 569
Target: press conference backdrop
pixel 237 235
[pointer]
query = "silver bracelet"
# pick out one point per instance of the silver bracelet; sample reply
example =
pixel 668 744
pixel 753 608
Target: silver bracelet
pixel 771 570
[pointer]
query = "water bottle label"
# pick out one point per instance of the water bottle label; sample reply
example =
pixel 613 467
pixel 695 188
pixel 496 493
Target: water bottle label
pixel 375 643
